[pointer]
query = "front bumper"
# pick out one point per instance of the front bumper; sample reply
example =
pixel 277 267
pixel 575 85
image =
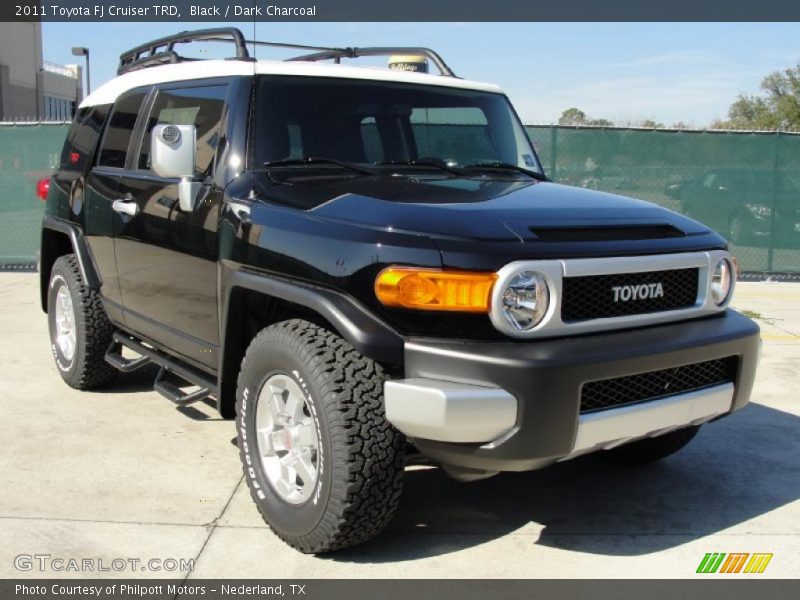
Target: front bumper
pixel 515 406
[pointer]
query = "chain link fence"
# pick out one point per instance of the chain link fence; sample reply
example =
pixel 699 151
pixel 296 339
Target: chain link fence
pixel 745 185
pixel 29 151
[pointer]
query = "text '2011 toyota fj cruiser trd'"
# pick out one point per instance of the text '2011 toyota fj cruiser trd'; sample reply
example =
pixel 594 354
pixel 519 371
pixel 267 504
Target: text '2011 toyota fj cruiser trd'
pixel 355 262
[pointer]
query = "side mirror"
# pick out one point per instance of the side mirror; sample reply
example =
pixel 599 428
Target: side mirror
pixel 173 154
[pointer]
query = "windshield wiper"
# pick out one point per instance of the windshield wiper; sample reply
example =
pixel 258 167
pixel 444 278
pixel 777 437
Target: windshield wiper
pixel 318 160
pixel 508 167
pixel 421 163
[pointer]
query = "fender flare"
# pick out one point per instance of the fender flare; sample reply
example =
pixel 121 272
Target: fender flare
pixel 363 330
pixel 79 246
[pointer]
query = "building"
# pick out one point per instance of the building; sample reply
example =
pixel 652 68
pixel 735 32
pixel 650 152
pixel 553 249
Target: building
pixel 32 88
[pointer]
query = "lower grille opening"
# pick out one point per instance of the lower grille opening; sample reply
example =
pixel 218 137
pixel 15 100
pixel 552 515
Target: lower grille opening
pixel 643 387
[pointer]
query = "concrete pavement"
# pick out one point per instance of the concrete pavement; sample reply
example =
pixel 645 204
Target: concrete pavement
pixel 124 474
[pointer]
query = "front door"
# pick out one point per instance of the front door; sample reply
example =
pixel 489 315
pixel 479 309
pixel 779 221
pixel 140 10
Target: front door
pixel 99 192
pixel 167 258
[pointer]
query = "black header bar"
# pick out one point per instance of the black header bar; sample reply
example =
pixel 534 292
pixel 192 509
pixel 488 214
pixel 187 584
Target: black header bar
pixel 400 589
pixel 401 10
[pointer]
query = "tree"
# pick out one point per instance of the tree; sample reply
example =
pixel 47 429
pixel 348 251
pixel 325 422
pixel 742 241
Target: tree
pixel 575 116
pixel 778 107
pixel 572 116
pixel 652 124
pixel 751 112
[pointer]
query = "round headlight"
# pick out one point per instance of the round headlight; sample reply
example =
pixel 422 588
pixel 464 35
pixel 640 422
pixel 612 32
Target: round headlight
pixel 524 300
pixel 721 281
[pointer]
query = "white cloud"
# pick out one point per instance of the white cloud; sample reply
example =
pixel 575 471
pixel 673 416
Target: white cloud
pixel 693 57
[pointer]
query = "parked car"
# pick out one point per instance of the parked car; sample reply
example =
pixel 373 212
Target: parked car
pixel 740 204
pixel 357 264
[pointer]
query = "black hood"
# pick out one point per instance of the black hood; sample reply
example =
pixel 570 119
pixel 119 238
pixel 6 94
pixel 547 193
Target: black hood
pixel 473 223
pixel 472 208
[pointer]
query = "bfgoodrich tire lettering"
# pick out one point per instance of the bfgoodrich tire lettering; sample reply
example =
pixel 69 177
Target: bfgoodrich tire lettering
pixel 85 368
pixel 360 459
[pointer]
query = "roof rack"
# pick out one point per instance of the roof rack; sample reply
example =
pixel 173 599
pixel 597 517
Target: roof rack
pixel 162 50
pixel 336 54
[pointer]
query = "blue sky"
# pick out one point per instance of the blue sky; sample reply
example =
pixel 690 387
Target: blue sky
pixel 670 72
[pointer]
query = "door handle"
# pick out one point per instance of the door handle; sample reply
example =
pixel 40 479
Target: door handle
pixel 126 206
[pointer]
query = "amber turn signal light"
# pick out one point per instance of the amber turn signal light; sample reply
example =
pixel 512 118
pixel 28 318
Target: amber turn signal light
pixel 431 289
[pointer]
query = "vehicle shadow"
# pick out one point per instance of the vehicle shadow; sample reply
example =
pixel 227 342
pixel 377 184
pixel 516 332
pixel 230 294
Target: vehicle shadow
pixel 141 380
pixel 735 470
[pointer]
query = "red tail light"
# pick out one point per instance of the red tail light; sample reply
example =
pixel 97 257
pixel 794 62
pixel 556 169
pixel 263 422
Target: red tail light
pixel 42 187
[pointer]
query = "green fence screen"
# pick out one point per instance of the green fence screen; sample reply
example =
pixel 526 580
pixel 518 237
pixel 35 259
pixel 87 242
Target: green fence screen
pixel 745 185
pixel 27 153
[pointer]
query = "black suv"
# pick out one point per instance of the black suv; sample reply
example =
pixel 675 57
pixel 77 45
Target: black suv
pixel 364 266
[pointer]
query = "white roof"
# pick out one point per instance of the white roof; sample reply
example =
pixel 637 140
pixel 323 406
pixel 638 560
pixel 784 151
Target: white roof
pixel 110 91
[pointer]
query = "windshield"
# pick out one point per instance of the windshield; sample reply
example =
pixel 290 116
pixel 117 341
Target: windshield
pixel 388 124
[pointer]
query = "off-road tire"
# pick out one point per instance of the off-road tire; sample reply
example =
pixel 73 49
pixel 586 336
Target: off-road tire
pixel 360 478
pixel 87 369
pixel 649 450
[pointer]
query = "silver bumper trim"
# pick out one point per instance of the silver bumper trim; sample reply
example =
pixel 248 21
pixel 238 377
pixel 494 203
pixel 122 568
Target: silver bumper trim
pixel 449 412
pixel 609 428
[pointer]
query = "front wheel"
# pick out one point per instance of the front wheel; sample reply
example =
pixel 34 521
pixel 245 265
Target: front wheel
pixel 649 450
pixel 323 464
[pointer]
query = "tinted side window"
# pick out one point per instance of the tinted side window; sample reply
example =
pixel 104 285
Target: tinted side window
pixel 119 130
pixel 73 131
pixel 709 180
pixel 198 106
pixel 83 136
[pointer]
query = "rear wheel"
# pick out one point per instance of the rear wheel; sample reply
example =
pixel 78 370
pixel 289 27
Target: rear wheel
pixel 80 332
pixel 649 450
pixel 738 232
pixel 323 464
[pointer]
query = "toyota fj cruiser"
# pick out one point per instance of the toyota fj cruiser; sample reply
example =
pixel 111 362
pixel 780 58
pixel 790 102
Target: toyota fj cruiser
pixel 355 263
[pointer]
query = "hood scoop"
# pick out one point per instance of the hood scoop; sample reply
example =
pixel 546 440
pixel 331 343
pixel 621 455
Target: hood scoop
pixel 606 233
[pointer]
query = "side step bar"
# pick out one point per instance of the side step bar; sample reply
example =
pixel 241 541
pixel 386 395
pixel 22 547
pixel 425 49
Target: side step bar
pixel 169 367
pixel 174 393
pixel 115 359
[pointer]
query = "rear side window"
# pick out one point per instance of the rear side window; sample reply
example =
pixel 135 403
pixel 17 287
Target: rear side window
pixel 83 136
pixel 710 180
pixel 198 106
pixel 73 130
pixel 120 128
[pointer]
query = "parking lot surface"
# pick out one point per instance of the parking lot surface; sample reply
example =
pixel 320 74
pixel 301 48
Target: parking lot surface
pixel 122 473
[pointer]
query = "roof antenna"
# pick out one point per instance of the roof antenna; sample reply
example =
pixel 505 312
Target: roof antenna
pixel 254 33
